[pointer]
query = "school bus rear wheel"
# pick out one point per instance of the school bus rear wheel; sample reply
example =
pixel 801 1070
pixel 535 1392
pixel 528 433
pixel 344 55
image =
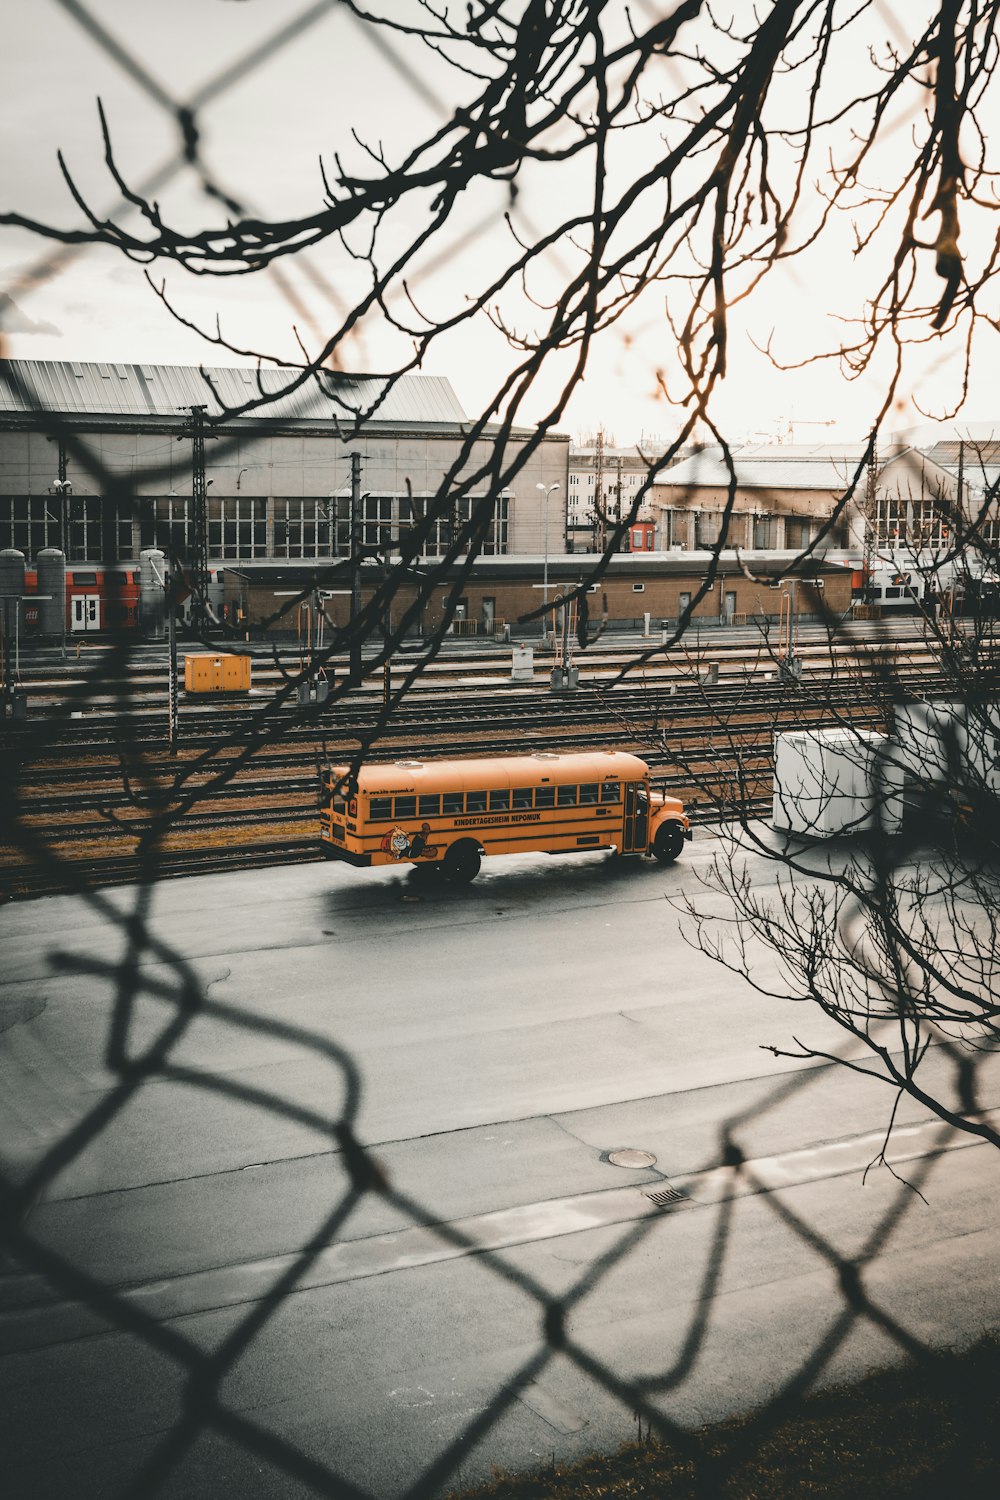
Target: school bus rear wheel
pixel 668 842
pixel 462 862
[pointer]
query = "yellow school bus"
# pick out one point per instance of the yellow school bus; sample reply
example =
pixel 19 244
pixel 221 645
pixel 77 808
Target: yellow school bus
pixel 449 813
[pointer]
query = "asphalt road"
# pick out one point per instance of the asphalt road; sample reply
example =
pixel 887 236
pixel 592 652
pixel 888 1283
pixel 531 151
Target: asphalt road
pixel 202 1305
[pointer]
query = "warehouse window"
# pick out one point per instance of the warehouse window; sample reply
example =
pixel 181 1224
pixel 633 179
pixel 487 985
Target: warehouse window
pixel 302 528
pixel 708 525
pixel 98 527
pixel 445 521
pixel 237 527
pixel 165 523
pixel 891 518
pixel 376 527
pixel 932 522
pixel 30 522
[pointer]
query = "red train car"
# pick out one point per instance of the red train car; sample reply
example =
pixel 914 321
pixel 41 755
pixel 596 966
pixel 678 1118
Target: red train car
pixel 99 596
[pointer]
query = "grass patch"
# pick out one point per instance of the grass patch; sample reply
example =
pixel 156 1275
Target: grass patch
pixel 928 1431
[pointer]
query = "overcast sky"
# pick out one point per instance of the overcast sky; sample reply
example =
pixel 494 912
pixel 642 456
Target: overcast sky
pixel 263 136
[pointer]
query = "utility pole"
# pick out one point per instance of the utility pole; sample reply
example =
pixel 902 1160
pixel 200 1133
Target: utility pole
pixel 199 521
pixel 65 490
pixel 957 532
pixel 355 646
pixel 868 555
pixel 618 496
pixel 600 530
pixel 6 661
pixel 172 720
pixel 546 491
pixel 61 489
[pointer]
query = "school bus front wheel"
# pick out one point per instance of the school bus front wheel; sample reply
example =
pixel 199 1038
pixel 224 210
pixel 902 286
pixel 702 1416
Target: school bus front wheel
pixel 668 842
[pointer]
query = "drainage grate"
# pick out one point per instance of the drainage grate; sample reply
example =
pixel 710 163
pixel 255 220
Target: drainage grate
pixel 666 1197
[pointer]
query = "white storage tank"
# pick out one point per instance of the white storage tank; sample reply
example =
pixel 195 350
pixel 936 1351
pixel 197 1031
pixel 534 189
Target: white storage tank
pixel 11 572
pixel 152 596
pixel 828 781
pixel 11 590
pixel 51 565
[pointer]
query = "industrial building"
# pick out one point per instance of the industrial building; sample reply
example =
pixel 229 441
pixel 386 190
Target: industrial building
pixel 96 460
pixel 101 463
pixel 783 495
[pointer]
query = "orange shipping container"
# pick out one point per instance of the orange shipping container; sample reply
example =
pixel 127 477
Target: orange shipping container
pixel 225 673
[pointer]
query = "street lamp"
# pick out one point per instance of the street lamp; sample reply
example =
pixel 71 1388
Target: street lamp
pixel 546 490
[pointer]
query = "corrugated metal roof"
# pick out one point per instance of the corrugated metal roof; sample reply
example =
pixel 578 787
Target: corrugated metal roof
pixel 927 435
pixel 979 461
pixel 776 469
pixel 69 387
pixel 949 451
pixel 978 480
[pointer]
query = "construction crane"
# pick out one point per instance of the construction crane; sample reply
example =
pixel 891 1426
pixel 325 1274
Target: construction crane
pixel 787 426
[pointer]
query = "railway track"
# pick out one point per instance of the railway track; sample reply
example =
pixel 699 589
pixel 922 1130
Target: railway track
pixel 246 775
pixel 49 690
pixel 423 712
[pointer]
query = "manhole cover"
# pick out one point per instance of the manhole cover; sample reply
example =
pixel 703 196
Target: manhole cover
pixel 665 1197
pixel 630 1157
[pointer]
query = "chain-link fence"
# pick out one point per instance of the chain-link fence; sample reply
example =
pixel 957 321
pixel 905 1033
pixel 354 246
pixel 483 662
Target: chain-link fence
pixel 140 973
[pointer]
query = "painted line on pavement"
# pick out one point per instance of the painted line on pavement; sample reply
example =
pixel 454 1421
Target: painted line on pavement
pixel 407 1249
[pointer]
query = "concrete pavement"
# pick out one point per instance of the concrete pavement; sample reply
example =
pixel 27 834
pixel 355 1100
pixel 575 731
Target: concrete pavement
pixel 492 1046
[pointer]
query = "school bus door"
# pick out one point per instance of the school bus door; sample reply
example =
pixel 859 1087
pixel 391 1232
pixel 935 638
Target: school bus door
pixel 635 839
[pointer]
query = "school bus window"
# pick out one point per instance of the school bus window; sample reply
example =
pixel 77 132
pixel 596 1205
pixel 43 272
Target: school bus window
pixel 521 798
pixel 589 791
pixel 475 802
pixel 499 801
pixel 545 796
pixel 406 807
pixel 452 803
pixel 611 791
pixel 340 801
pixel 566 796
pixel 381 808
pixel 429 807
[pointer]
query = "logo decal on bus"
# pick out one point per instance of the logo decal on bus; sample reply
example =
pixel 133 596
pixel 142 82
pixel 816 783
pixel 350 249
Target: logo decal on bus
pixel 403 845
